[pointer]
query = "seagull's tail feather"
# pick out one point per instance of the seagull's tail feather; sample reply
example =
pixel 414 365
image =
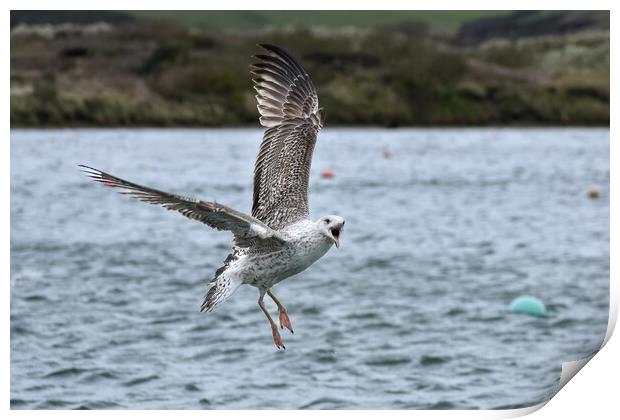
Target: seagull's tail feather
pixel 221 287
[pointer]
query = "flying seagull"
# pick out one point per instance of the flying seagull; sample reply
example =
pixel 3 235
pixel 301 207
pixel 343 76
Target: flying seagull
pixel 278 240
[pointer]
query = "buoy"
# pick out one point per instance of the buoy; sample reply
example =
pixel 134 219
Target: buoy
pixel 328 173
pixel 528 305
pixel 386 153
pixel 593 191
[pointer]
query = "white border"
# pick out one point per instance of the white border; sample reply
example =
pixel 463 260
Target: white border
pixel 315 4
pixel 593 393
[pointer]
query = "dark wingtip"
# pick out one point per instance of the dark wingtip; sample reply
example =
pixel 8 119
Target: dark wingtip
pixel 272 48
pixel 283 55
pixel 89 171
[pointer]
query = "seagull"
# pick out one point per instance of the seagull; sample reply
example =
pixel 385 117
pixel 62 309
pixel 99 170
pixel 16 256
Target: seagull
pixel 279 239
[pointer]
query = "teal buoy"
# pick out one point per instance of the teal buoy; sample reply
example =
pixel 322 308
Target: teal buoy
pixel 528 305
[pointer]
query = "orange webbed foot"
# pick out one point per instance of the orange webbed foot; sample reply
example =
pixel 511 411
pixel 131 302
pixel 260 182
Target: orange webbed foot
pixel 285 322
pixel 277 339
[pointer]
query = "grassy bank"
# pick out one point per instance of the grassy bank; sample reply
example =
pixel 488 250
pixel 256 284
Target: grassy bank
pixel 437 21
pixel 150 72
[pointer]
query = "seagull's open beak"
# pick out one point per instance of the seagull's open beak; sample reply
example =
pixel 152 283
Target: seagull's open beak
pixel 336 236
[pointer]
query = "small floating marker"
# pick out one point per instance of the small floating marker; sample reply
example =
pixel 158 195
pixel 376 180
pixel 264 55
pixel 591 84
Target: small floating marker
pixel 528 305
pixel 328 173
pixel 593 191
pixel 386 153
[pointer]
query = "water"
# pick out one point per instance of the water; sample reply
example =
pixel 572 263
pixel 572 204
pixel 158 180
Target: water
pixel 410 312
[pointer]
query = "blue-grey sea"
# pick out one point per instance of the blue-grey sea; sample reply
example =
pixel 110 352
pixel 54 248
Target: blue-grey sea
pixel 412 312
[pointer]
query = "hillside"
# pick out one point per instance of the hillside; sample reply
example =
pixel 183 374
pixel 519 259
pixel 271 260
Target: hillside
pixel 253 20
pixel 144 71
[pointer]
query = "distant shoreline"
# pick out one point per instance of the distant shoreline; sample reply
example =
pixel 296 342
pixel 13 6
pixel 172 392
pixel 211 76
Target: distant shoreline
pixel 338 127
pixel 516 70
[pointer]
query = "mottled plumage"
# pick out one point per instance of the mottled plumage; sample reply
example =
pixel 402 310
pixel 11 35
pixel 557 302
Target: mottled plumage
pixel 288 104
pixel 278 240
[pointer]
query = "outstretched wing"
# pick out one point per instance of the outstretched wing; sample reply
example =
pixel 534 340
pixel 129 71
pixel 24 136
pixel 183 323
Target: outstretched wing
pixel 246 229
pixel 289 108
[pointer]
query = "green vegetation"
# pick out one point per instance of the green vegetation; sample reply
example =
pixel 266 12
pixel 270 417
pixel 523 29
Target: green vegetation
pixel 152 72
pixel 252 20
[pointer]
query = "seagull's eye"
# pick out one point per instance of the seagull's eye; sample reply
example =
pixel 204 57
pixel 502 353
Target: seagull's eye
pixel 327 221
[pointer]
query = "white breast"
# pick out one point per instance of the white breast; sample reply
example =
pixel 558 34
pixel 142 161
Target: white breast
pixel 306 244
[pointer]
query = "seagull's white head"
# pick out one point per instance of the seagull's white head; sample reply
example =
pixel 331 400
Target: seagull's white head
pixel 332 227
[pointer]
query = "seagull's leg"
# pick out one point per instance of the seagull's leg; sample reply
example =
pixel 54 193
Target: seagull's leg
pixel 284 321
pixel 274 328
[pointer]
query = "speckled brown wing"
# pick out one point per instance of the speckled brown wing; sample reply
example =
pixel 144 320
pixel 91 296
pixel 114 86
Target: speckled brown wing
pixel 288 105
pixel 246 229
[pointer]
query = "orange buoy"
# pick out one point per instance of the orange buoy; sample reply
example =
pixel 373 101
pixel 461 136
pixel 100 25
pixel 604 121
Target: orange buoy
pixel 593 191
pixel 327 173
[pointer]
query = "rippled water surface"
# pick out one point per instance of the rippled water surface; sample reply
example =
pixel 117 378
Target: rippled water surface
pixel 410 312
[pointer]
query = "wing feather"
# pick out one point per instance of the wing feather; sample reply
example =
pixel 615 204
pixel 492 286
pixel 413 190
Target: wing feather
pixel 289 107
pixel 246 229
